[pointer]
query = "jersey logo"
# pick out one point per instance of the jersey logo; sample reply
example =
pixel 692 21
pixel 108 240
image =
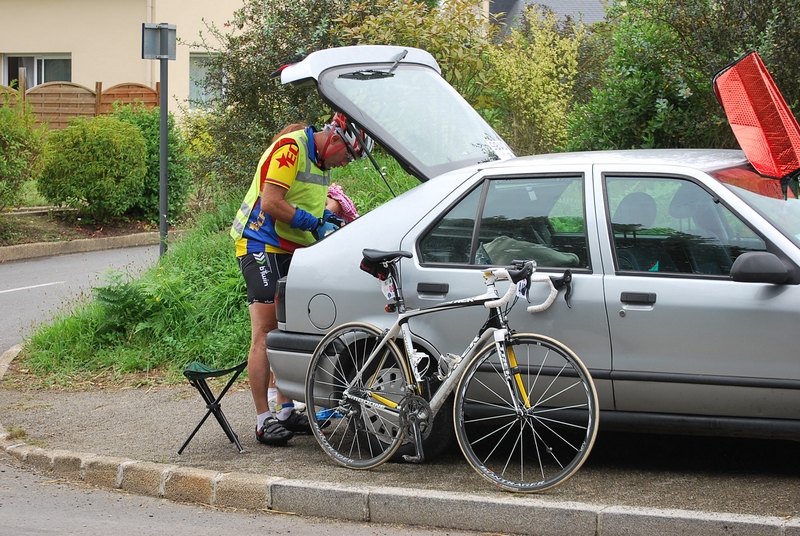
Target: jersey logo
pixel 289 158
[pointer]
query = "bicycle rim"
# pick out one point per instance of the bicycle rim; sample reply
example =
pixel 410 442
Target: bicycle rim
pixel 355 423
pixel 527 450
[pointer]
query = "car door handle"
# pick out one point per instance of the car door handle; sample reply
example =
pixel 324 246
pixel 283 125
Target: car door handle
pixel 641 298
pixel 433 288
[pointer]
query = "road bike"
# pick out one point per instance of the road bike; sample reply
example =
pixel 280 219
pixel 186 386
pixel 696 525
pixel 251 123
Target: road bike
pixel 525 408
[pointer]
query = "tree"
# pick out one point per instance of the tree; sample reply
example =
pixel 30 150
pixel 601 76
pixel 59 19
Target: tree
pixel 456 33
pixel 248 105
pixel 656 87
pixel 535 67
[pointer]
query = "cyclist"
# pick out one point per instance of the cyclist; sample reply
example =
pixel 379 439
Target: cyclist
pixel 283 210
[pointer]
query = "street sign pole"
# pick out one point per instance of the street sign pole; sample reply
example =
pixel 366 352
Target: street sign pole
pixel 158 42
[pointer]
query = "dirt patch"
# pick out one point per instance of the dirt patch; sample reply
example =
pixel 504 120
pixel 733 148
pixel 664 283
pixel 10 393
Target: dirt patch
pixel 57 226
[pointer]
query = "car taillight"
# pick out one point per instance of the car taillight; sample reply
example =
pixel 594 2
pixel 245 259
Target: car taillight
pixel 280 300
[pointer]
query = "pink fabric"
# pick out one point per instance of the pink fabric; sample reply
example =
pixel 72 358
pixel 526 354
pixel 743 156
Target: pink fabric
pixel 348 212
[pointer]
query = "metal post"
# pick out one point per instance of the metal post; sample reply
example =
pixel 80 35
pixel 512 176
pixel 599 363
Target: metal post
pixel 163 161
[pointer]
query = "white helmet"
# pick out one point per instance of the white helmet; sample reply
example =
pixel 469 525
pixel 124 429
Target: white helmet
pixel 351 137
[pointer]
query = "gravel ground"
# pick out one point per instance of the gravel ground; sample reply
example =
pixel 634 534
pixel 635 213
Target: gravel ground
pixel 708 474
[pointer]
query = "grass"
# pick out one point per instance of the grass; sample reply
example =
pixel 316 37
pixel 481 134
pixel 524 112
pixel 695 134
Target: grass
pixel 368 190
pixel 15 432
pixel 29 196
pixel 143 330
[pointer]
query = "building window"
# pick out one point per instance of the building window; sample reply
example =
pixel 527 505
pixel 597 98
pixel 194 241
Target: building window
pixel 39 68
pixel 199 96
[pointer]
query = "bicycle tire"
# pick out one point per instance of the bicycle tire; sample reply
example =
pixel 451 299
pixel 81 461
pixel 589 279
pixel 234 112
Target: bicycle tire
pixel 530 450
pixel 356 434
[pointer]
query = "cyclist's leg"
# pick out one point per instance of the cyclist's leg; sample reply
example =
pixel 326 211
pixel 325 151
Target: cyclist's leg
pixel 356 434
pixel 535 432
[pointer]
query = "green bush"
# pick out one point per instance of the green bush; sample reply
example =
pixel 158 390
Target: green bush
pixel 655 90
pixel 647 97
pixel 95 165
pixel 179 179
pixel 201 147
pixel 21 143
pixel 456 33
pixel 536 68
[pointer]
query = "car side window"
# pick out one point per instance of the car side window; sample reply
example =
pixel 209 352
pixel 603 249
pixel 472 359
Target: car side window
pixel 673 225
pixel 517 219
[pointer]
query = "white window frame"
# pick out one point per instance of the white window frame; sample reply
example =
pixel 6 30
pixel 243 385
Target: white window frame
pixel 197 95
pixel 39 67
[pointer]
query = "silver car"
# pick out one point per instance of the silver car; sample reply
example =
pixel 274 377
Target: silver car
pixel 685 262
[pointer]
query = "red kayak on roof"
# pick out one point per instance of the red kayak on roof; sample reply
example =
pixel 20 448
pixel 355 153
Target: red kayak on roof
pixel 762 122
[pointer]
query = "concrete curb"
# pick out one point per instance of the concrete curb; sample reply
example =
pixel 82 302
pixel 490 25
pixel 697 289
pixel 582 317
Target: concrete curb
pixel 43 249
pixel 6 359
pixel 448 510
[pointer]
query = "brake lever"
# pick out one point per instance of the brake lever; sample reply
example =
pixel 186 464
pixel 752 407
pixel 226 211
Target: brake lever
pixel 564 281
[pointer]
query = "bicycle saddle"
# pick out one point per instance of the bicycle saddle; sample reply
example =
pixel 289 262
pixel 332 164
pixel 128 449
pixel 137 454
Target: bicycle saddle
pixel 377 255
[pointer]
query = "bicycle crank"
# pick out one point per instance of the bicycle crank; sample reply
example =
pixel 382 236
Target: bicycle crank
pixel 415 413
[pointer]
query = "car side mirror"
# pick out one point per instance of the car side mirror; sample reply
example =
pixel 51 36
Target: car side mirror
pixel 759 267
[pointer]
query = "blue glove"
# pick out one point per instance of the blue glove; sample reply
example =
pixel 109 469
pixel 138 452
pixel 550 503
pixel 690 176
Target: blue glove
pixel 328 223
pixel 329 216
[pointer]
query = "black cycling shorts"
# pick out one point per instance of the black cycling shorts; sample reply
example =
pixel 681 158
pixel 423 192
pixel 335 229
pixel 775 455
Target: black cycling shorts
pixel 261 272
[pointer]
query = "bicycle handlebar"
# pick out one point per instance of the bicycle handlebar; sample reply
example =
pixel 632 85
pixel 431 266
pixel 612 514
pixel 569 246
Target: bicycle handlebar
pixel 503 274
pixel 550 299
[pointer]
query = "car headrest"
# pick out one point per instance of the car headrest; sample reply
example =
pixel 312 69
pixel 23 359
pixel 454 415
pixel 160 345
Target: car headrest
pixel 637 209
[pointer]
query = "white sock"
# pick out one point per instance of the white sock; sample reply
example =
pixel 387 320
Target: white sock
pixel 284 410
pixel 263 417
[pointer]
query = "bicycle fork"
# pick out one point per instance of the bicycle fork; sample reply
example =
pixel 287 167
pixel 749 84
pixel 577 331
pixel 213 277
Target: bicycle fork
pixel 511 371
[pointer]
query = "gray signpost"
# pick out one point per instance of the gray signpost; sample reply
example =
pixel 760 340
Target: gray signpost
pixel 158 43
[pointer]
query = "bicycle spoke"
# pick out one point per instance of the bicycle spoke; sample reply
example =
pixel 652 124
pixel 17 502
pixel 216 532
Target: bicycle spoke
pixel 526 449
pixel 345 370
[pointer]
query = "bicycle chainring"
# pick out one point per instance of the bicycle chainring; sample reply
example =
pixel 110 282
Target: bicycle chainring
pixel 415 408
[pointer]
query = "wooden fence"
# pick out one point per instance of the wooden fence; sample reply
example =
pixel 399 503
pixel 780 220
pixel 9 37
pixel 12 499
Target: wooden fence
pixel 55 103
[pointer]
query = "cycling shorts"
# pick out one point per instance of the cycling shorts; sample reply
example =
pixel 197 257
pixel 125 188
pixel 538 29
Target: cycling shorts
pixel 261 272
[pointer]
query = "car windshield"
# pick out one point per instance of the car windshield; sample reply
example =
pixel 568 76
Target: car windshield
pixel 415 114
pixel 766 196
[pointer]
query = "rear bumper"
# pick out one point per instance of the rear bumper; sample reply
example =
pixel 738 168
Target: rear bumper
pixel 289 355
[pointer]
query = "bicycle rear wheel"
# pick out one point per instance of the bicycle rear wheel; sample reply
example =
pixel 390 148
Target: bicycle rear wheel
pixel 526 449
pixel 355 418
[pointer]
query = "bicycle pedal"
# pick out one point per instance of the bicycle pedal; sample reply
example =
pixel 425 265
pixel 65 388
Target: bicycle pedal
pixel 327 414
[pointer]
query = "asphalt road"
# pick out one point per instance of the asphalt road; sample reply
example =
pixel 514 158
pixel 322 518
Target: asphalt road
pixel 31 290
pixel 33 504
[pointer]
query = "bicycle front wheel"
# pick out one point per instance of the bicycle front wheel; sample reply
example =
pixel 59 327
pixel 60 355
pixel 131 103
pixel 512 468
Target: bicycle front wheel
pixel 354 395
pixel 535 431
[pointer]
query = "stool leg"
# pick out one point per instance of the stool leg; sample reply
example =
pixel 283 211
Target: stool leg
pixel 213 406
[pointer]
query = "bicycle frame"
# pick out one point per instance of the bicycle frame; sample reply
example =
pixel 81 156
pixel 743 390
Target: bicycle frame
pixel 528 436
pixel 400 326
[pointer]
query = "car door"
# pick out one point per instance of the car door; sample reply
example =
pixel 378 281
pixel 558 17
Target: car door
pixel 685 338
pixel 498 217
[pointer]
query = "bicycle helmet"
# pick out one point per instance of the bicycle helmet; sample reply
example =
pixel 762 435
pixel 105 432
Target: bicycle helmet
pixel 351 138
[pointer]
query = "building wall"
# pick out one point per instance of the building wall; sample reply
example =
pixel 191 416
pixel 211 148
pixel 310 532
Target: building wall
pixel 104 37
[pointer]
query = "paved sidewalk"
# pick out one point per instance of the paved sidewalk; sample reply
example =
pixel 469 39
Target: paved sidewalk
pixel 128 439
